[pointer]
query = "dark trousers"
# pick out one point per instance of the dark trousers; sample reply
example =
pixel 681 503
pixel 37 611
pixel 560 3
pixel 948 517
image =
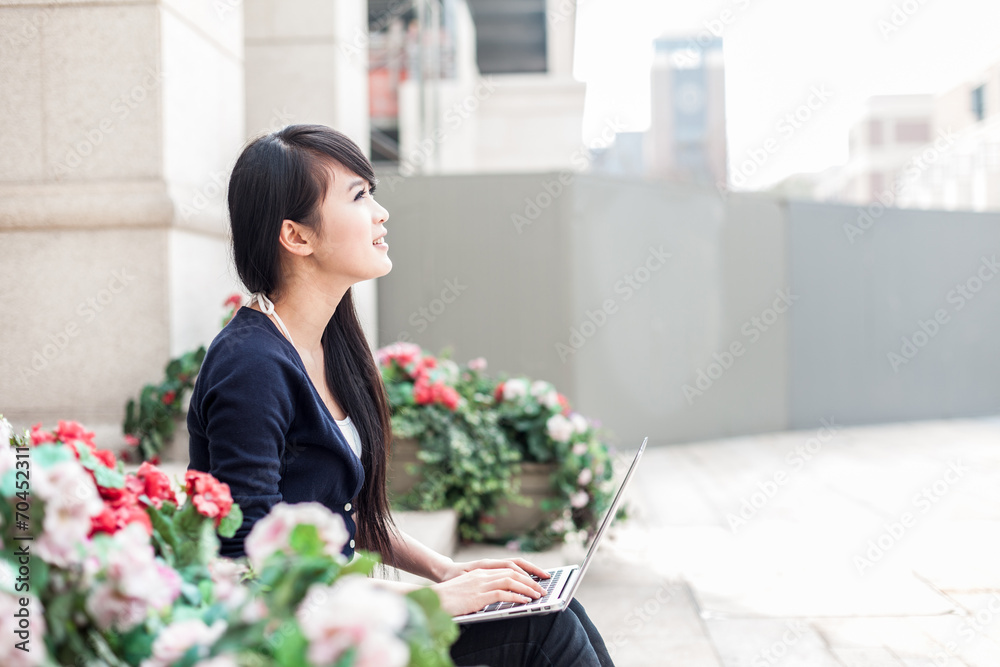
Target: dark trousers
pixel 546 640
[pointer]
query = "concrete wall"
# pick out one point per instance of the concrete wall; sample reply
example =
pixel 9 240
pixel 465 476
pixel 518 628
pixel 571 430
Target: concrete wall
pixel 902 277
pixel 115 120
pixel 763 317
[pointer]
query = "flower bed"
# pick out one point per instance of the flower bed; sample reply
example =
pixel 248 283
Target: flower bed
pixel 104 567
pixel 475 430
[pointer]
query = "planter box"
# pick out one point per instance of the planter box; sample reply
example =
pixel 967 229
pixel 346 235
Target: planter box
pixel 400 480
pixel 535 485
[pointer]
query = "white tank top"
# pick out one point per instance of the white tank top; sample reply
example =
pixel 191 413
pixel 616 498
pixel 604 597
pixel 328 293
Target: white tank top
pixel 350 432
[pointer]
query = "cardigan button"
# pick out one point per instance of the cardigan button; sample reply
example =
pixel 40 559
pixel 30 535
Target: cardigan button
pixel 347 507
pixel 352 544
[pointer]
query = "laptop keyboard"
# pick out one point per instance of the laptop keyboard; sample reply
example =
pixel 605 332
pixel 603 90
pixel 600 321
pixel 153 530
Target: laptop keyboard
pixel 549 585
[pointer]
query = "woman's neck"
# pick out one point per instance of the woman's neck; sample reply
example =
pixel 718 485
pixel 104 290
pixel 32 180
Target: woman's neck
pixel 306 309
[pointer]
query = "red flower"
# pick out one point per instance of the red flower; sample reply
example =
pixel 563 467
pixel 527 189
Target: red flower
pixel 564 402
pixel 156 484
pixel 210 496
pixel 234 301
pixel 446 395
pixel 68 431
pixel 131 440
pixel 169 397
pixel 498 393
pixel 121 507
pixel 423 393
pixel 106 457
pixel 155 460
pixel 38 436
pixel 116 516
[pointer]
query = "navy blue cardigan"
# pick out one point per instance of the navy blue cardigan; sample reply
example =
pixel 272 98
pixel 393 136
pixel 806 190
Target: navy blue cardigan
pixel 257 423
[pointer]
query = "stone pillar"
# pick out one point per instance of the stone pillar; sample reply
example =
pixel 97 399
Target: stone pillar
pixel 307 62
pixel 118 124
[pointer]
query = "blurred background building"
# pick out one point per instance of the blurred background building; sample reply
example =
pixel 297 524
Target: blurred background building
pixel 626 270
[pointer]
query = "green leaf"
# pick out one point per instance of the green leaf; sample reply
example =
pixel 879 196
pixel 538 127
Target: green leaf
pixel 305 540
pixel 232 521
pixel 289 645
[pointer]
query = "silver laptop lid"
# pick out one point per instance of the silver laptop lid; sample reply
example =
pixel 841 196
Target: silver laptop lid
pixel 608 517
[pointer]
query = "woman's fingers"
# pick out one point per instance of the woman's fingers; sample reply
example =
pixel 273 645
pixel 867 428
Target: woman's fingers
pixel 531 568
pixel 509 579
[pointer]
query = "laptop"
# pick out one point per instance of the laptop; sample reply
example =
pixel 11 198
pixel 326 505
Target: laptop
pixel 562 583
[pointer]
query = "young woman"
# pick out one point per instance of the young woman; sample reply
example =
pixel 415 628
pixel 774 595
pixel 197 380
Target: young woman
pixel 289 403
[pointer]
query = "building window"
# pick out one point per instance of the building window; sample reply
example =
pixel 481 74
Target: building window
pixel 913 132
pixel 979 102
pixel 875 132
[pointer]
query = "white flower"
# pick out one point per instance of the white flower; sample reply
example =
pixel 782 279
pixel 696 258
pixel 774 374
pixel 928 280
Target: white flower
pixel 580 448
pixel 579 422
pixel 585 477
pixel 70 499
pixel 559 428
pixel 579 499
pixel 272 533
pixel 6 433
pixel 10 655
pixel 540 387
pixel 226 575
pixel 218 661
pixel 354 612
pixel 175 640
pixel 558 526
pixel 449 370
pixel 515 389
pixel 135 582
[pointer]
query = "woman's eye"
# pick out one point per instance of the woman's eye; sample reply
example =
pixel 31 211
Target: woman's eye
pixel 361 194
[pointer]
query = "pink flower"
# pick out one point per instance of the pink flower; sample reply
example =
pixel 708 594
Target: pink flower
pixel 402 353
pixel 71 500
pixel 478 364
pixel 271 534
pixel 177 638
pixel 131 440
pixel 234 301
pixel 354 612
pixel 579 499
pixel 559 428
pixel 10 655
pixel 131 583
pixel 585 477
pixel 580 448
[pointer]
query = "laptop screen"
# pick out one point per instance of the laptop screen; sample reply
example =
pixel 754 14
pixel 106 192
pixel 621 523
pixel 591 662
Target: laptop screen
pixel 608 517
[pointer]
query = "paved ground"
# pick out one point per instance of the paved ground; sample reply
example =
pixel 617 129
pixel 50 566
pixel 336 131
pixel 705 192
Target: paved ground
pixel 842 547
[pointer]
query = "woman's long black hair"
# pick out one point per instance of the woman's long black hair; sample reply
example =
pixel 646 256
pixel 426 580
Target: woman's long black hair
pixel 284 175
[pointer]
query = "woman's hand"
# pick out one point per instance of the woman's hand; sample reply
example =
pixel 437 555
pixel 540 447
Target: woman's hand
pixel 455 569
pixel 471 590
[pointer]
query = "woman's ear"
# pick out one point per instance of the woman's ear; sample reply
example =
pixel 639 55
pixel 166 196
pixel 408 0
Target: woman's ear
pixel 295 238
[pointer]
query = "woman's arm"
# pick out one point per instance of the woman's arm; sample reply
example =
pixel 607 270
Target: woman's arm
pixel 465 587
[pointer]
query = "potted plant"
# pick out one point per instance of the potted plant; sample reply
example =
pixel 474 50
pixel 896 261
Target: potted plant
pixel 566 468
pixel 448 451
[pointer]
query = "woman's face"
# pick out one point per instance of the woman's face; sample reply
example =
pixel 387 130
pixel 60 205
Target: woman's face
pixel 352 222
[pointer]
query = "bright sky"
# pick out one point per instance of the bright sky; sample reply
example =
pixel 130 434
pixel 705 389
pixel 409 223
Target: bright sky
pixel 775 50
